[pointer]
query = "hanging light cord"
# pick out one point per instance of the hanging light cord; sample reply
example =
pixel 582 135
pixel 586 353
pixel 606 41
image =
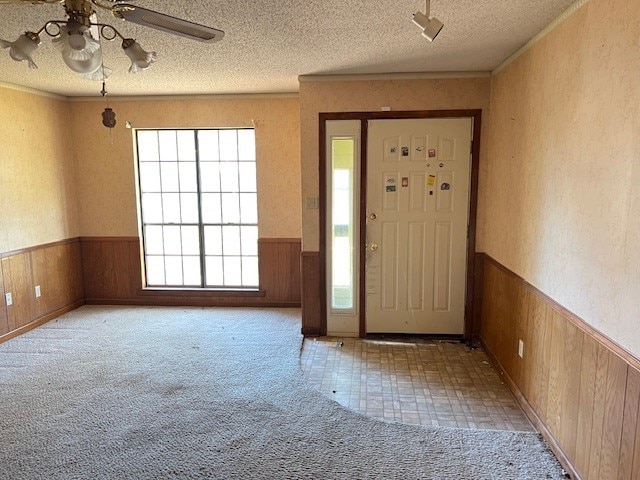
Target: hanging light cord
pixel 104 92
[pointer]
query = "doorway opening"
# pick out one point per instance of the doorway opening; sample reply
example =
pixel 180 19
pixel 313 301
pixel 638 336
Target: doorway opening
pixel 410 198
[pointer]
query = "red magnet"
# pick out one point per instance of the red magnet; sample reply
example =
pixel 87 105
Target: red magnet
pixel 432 152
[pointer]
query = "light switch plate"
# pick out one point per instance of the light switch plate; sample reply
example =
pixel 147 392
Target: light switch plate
pixel 312 203
pixel 38 292
pixel 9 298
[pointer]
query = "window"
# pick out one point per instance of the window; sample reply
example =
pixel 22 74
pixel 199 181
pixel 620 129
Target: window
pixel 199 210
pixel 342 223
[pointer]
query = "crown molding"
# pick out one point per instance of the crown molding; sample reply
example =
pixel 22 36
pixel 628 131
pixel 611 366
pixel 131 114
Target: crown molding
pixel 155 98
pixel 574 7
pixel 32 91
pixel 391 76
pixel 136 98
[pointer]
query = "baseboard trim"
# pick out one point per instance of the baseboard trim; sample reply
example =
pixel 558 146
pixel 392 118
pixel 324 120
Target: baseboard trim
pixel 41 321
pixel 532 415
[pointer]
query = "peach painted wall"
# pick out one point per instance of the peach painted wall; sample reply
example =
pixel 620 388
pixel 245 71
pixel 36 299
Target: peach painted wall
pixel 562 183
pixel 356 96
pixel 37 177
pixel 105 159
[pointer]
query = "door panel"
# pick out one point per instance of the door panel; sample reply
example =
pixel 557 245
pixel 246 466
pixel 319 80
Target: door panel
pixel 442 267
pixel 418 176
pixel 417 192
pixel 390 265
pixel 415 280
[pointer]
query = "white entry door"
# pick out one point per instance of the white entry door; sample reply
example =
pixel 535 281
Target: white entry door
pixel 418 177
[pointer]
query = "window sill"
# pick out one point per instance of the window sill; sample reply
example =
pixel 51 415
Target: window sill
pixel 199 292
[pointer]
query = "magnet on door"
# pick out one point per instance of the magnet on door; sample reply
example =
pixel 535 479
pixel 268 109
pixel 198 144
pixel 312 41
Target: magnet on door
pixel 445 186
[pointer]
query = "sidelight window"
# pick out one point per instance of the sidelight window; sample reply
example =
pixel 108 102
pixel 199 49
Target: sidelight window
pixel 342 223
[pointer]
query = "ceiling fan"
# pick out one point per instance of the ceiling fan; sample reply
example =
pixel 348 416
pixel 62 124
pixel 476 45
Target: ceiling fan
pixel 78 36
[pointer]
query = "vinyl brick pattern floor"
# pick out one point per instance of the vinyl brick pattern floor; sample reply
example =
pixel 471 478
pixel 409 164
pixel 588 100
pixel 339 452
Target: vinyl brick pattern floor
pixel 415 380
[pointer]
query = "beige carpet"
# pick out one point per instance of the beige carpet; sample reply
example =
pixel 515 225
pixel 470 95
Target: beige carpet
pixel 152 393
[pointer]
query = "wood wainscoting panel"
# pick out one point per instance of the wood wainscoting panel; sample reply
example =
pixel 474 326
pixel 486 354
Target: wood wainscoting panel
pixel 520 333
pixel 555 376
pixel 18 281
pixel 597 427
pixel 545 349
pixel 636 457
pixel 279 266
pixel 630 425
pixel 579 388
pixel 313 324
pixel 478 284
pixel 635 470
pixel 112 269
pixel 534 356
pixel 569 387
pixel 590 351
pixel 613 415
pixel 4 320
pixel 57 269
pixel 490 332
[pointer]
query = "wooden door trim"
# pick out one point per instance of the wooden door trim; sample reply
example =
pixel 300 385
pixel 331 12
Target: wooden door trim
pixel 364 157
pixel 364 117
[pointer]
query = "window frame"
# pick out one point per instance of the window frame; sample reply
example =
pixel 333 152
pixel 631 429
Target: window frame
pixel 205 284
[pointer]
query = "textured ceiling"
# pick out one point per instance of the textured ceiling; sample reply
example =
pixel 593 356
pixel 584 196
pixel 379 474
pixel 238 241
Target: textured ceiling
pixel 268 43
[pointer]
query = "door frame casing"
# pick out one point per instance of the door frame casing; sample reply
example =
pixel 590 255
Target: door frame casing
pixel 364 117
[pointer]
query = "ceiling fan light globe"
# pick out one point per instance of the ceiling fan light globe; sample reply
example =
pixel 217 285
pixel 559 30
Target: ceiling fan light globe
pixel 85 67
pixel 140 59
pixel 22 48
pixel 68 41
pixel 77 41
pixel 76 35
pixel 100 75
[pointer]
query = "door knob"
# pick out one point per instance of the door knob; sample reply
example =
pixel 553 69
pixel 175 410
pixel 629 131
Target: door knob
pixel 373 247
pixel 373 216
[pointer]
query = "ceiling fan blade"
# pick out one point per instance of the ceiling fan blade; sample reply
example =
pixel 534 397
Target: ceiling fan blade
pixel 167 23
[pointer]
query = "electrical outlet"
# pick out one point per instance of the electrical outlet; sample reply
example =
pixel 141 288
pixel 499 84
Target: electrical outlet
pixel 38 293
pixel 521 348
pixel 9 299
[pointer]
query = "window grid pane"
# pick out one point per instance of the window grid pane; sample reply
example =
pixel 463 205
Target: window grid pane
pixel 199 207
